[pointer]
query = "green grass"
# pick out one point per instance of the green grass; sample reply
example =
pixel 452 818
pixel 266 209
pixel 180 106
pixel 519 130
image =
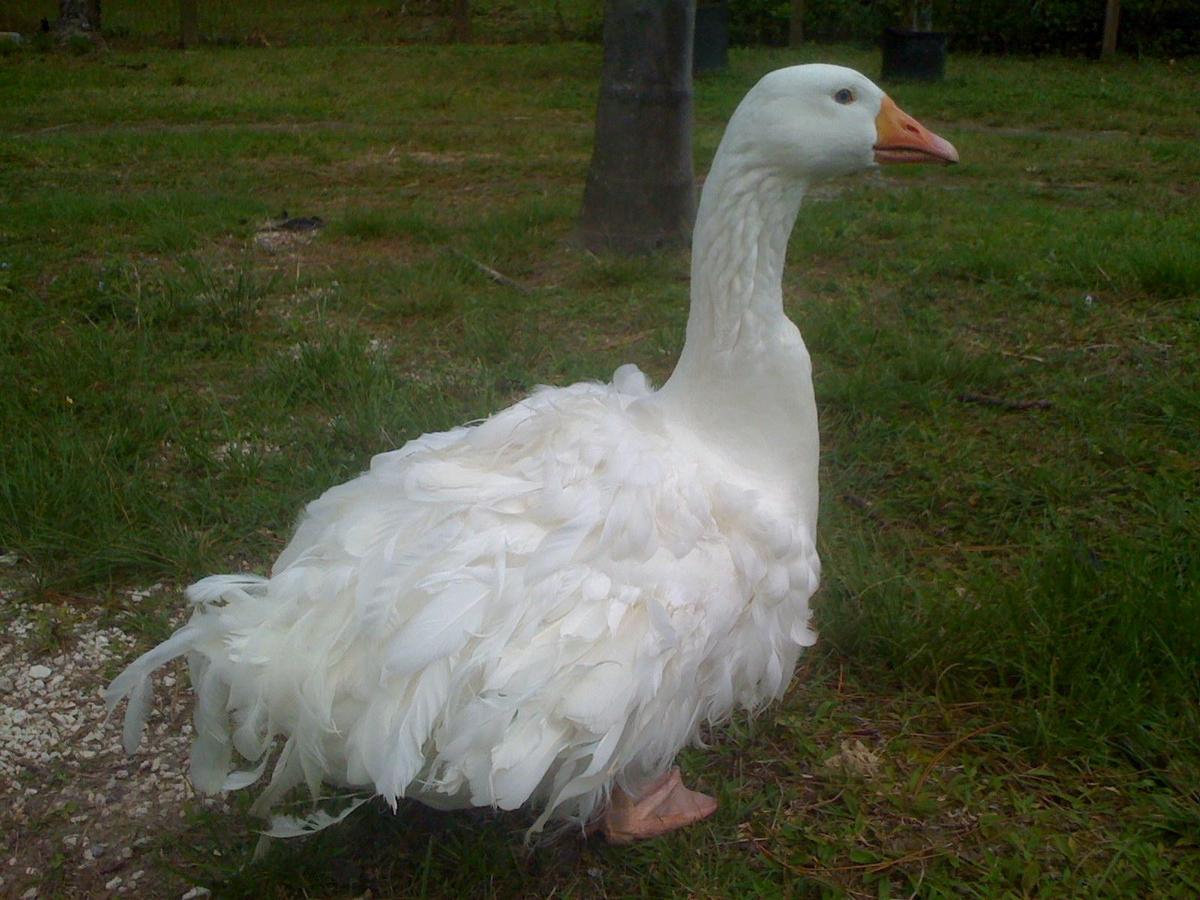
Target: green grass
pixel 1011 609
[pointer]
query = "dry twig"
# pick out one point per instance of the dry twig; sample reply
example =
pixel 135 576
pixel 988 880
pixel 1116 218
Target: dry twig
pixel 498 277
pixel 946 750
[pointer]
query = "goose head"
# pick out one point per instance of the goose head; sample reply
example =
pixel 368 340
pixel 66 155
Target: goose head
pixel 815 122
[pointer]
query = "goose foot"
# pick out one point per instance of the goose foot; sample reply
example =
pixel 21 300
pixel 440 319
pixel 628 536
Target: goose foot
pixel 664 806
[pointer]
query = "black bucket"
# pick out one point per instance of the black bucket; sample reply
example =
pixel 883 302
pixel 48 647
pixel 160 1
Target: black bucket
pixel 913 55
pixel 710 47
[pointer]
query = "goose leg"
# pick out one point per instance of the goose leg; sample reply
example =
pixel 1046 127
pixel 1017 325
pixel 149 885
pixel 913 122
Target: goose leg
pixel 663 806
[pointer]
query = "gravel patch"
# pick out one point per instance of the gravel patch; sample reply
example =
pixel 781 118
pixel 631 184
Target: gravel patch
pixel 78 817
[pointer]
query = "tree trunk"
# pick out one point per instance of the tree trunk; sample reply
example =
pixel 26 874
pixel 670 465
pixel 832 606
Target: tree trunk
pixel 189 24
pixel 640 193
pixel 78 17
pixel 796 24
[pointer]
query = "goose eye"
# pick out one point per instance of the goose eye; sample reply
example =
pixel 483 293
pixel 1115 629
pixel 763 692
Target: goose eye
pixel 844 96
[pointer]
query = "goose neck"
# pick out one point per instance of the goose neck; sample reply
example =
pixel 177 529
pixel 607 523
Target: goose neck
pixel 738 250
pixel 742 390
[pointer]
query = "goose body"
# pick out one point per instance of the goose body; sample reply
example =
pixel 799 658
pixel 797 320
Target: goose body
pixel 543 608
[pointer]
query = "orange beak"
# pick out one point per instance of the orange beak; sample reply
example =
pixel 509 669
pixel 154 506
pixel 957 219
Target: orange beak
pixel 902 139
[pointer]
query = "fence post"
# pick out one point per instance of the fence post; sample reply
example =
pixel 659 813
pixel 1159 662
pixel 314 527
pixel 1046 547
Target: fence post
pixel 189 24
pixel 1112 13
pixel 796 24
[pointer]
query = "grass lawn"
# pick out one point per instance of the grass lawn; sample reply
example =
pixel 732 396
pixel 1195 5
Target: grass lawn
pixel 1005 698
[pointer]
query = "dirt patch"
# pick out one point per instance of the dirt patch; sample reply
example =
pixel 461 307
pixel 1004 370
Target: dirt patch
pixel 80 818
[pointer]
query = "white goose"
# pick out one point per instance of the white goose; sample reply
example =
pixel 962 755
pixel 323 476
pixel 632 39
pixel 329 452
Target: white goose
pixel 545 607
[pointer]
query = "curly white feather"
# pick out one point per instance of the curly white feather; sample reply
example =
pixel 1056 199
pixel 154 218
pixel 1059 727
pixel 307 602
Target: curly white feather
pixel 520 611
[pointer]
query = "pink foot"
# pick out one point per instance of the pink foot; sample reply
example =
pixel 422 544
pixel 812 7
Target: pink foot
pixel 664 806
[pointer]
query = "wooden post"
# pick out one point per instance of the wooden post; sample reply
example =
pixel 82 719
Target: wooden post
pixel 460 21
pixel 923 16
pixel 1112 13
pixel 796 24
pixel 189 24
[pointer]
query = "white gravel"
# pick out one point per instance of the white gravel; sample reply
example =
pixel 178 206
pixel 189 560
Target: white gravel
pixel 66 786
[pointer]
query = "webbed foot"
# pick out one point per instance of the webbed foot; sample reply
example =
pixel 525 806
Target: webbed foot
pixel 664 806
